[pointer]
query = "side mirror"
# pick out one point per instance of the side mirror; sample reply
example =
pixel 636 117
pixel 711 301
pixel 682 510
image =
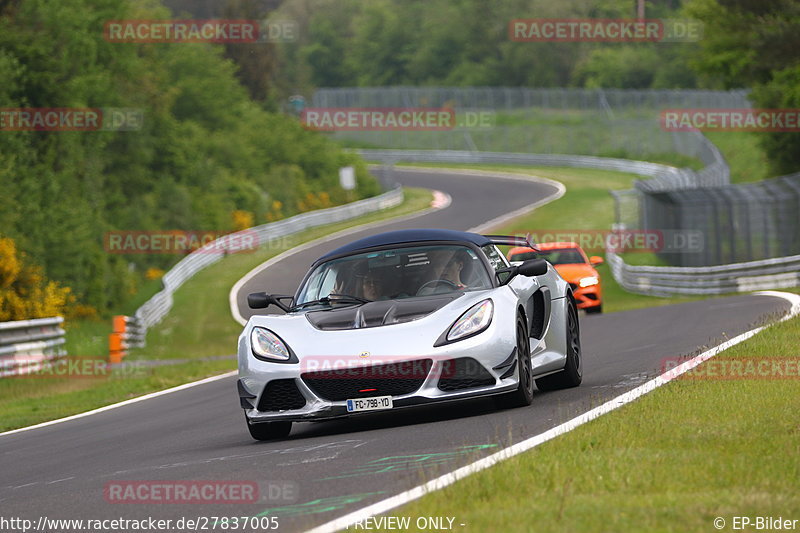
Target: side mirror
pixel 262 300
pixel 596 260
pixel 533 267
pixel 529 268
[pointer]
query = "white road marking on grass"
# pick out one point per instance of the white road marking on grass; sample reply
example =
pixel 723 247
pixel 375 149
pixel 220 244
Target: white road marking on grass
pixel 441 482
pixel 123 403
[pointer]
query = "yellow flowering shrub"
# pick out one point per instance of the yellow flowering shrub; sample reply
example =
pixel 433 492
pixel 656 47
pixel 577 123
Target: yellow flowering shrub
pixel 154 273
pixel 242 220
pixel 24 291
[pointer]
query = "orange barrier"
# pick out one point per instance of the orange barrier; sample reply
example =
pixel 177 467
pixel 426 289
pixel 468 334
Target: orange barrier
pixel 127 333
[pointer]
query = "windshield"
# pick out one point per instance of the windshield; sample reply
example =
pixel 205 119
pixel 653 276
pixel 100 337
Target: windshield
pixel 559 256
pixel 397 273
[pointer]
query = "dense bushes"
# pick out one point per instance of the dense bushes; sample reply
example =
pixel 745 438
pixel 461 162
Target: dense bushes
pixel 206 158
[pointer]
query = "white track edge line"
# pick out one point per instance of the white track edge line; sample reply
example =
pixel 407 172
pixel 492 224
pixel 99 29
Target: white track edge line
pixel 530 443
pixel 123 403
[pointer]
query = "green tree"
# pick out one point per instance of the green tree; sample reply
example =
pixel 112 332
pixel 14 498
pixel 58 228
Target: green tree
pixel 755 44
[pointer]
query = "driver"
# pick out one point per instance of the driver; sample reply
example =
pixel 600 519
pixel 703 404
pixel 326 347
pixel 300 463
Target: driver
pixel 450 266
pixel 452 271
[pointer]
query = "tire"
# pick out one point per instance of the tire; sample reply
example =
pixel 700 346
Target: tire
pixel 596 310
pixel 523 396
pixel 572 375
pixel 269 430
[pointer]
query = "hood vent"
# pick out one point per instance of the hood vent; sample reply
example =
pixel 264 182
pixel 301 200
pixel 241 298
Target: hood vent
pixel 380 313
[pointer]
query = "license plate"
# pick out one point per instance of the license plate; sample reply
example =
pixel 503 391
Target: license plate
pixel 369 404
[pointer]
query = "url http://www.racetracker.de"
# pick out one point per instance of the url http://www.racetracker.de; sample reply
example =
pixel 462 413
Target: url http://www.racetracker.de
pixel 45 524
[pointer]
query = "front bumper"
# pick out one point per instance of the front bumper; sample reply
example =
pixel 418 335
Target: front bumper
pixel 253 394
pixel 587 296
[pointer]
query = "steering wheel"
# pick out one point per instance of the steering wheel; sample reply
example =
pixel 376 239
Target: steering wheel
pixel 435 282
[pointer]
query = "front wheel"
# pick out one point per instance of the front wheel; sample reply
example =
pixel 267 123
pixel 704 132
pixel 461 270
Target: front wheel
pixel 523 396
pixel 572 375
pixel 269 430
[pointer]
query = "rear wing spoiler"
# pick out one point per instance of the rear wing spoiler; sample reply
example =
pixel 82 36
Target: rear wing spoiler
pixel 509 240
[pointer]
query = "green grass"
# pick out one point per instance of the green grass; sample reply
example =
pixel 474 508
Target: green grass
pixel 587 205
pixel 674 460
pixel 741 149
pixel 199 325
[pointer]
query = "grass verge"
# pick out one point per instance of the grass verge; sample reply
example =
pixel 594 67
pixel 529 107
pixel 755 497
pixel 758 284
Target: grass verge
pixel 674 460
pixel 199 325
pixel 742 150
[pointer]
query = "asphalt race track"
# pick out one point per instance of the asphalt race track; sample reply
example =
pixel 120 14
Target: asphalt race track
pixel 327 469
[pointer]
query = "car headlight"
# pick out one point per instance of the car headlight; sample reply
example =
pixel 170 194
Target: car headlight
pixel 267 345
pixel 588 282
pixel 475 320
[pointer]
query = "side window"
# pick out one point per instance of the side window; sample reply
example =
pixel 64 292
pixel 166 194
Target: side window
pixel 496 259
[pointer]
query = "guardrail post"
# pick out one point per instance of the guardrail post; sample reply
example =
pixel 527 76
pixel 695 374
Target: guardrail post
pixel 117 348
pixel 127 333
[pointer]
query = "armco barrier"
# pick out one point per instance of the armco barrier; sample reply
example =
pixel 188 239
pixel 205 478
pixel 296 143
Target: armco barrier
pixel 777 273
pixel 154 310
pixel 664 175
pixel 26 344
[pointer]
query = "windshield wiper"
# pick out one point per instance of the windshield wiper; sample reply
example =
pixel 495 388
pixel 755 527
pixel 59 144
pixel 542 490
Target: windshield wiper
pixel 334 298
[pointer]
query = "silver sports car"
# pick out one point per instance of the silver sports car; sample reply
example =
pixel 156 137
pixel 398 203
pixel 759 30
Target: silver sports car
pixel 407 318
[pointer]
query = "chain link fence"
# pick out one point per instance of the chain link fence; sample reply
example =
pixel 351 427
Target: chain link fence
pixel 740 223
pixel 619 123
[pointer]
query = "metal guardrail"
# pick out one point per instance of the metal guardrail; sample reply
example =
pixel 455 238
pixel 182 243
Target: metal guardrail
pixel 642 168
pixel 154 310
pixel 26 344
pixel 776 273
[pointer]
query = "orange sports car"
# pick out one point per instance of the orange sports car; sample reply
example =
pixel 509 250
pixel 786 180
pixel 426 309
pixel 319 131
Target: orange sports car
pixel 575 267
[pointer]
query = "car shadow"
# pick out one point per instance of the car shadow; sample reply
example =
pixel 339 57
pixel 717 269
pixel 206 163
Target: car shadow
pixel 392 419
